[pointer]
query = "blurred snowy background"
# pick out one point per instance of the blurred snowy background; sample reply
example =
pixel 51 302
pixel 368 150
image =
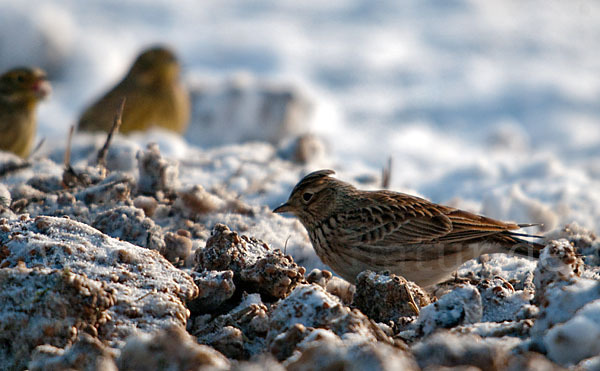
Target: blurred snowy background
pixel 493 106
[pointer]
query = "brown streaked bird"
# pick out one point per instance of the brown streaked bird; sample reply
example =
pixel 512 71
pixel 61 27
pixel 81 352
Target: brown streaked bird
pixel 20 91
pixel 353 230
pixel 155 97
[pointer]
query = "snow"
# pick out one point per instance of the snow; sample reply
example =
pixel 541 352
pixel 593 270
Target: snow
pixel 489 106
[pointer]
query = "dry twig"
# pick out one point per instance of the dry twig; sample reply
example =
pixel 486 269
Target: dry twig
pixel 101 159
pixel 70 178
pixel 386 174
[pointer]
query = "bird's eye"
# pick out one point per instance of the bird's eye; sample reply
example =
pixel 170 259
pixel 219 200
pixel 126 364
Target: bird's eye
pixel 20 78
pixel 307 196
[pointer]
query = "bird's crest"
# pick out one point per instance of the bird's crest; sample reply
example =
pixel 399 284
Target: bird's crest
pixel 311 178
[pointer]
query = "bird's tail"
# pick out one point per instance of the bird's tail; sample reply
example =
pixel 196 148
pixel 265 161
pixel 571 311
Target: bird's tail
pixel 524 247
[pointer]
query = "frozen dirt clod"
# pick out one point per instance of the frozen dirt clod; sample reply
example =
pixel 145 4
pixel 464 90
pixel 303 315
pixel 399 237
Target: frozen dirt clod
pixel 284 345
pixel 532 361
pixel 576 339
pixel 169 349
pixel 214 287
pixel 158 175
pixel 150 293
pixel 460 306
pixel 114 189
pixel 333 284
pixel 129 223
pixel 5 197
pixel 444 349
pixel 178 246
pixel 260 363
pixel 331 353
pixel 561 303
pixel 312 306
pixel 520 329
pixel 558 262
pixel 386 297
pixel 87 353
pixel 254 264
pixel 146 203
pixel 501 302
pixel 585 241
pixel 304 149
pixel 196 201
pixel 240 333
pixel 47 306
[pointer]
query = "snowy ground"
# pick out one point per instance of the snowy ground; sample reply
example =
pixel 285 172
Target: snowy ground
pixel 492 106
pixel 489 106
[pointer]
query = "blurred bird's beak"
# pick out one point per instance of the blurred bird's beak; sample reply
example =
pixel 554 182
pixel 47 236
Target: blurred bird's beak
pixel 42 89
pixel 283 208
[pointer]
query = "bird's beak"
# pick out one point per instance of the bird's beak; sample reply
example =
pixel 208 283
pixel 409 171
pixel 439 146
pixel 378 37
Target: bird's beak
pixel 283 208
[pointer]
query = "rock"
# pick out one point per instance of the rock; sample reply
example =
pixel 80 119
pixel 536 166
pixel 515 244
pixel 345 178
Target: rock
pixel 520 329
pixel 576 339
pixel 178 246
pixel 590 364
pixel 115 189
pixel 386 297
pixel 531 361
pixel 284 345
pixel 561 303
pixel 196 201
pixel 559 264
pixel 259 363
pixel 451 350
pixel 215 288
pixel 458 307
pixel 129 223
pixel 87 353
pixel 254 264
pixel 312 306
pixel 169 349
pixel 149 292
pixel 5 197
pixel 47 306
pixel 332 353
pixel 333 284
pixel 146 203
pixel 586 242
pixel 157 175
pixel 501 302
pixel 304 149
pixel 240 333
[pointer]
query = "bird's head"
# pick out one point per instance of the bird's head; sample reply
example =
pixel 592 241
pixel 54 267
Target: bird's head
pixel 156 65
pixel 315 197
pixel 24 85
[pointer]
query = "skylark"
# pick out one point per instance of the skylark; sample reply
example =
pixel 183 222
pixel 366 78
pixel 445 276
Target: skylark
pixel 353 230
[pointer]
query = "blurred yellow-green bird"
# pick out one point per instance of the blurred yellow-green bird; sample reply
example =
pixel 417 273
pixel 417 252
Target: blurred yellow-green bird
pixel 155 97
pixel 20 91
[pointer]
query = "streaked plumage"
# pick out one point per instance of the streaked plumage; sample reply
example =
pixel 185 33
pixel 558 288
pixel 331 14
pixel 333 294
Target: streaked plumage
pixel 353 230
pixel 155 97
pixel 20 91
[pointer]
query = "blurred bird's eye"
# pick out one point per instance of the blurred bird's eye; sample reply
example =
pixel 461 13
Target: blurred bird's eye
pixel 20 78
pixel 307 196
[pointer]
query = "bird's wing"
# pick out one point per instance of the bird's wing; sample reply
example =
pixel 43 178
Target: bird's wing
pixel 400 219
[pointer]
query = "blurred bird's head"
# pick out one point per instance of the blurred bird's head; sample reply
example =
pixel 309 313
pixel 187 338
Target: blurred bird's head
pixel 24 85
pixel 155 66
